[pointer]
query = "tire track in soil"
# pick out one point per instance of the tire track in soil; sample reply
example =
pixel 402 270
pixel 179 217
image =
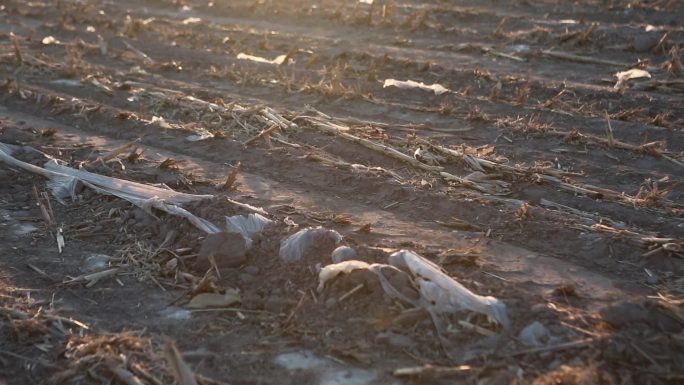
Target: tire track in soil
pixel 428 207
pixel 390 228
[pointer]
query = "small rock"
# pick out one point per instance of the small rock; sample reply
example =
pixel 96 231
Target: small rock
pixel 534 334
pixel 14 135
pixel 343 253
pixel 171 264
pixel 396 340
pixel 211 300
pixel 31 155
pixel 330 303
pixel 166 177
pixel 228 249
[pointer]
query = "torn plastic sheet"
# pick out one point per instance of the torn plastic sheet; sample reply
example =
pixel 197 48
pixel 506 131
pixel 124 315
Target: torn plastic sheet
pixel 624 76
pixel 201 134
pixel 178 211
pixel 438 89
pixel 277 61
pixel 133 192
pixel 141 195
pixel 62 181
pixel 247 225
pixel 144 196
pixel 439 292
pixel 294 247
pixel 445 294
pixel 534 334
pixel 331 271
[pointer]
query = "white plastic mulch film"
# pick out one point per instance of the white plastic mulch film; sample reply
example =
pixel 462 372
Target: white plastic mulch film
pixel 247 225
pixel 62 182
pixel 294 247
pixel 439 292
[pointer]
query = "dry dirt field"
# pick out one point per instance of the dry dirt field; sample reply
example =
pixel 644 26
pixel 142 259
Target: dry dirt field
pixel 536 156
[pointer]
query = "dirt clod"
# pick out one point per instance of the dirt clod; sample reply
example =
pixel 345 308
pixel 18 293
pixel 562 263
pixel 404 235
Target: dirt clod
pixel 227 248
pixel 15 135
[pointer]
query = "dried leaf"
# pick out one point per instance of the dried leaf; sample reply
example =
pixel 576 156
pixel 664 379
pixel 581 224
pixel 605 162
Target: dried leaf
pixel 135 155
pixel 365 228
pixel 17 49
pixel 232 177
pixel 213 300
pixel 342 219
pixel 119 150
pixel 170 164
pixel 48 132
pixel 523 211
pixel 494 93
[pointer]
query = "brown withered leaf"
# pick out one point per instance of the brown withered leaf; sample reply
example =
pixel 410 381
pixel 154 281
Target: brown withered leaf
pixel 170 164
pixel 232 177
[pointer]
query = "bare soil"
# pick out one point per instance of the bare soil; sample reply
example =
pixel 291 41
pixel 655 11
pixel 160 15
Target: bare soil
pixel 538 178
